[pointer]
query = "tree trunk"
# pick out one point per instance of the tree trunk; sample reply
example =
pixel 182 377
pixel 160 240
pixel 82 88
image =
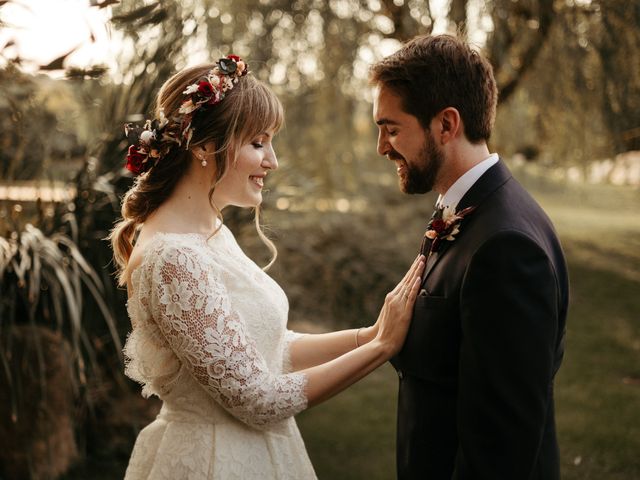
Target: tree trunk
pixel 458 17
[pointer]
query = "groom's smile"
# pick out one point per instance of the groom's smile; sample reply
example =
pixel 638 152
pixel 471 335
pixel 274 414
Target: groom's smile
pixel 403 140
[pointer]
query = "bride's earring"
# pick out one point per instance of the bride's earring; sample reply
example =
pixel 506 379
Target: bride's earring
pixel 203 161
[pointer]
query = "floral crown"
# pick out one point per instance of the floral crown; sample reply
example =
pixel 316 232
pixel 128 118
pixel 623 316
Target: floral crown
pixel 153 140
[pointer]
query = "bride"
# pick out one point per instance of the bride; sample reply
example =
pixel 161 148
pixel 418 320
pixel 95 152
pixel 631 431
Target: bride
pixel 209 332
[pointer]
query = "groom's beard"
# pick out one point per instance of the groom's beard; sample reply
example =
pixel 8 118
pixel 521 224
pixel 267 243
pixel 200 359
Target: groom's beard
pixel 422 173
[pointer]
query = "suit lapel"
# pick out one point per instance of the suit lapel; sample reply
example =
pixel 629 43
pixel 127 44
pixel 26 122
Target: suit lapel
pixel 491 180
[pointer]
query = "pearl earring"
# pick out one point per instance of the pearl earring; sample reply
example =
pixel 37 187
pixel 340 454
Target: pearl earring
pixel 203 162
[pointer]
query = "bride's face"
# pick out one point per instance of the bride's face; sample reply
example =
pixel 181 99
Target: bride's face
pixel 242 183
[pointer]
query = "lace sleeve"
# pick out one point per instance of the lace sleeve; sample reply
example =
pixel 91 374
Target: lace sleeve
pixel 192 309
pixel 289 337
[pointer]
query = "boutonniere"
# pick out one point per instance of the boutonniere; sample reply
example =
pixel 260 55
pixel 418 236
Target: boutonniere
pixel 445 225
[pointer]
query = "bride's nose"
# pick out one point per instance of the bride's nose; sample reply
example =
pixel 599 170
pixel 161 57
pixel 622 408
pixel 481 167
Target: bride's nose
pixel 270 160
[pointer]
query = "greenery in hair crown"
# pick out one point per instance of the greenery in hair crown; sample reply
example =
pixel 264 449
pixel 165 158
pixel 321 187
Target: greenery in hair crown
pixel 153 140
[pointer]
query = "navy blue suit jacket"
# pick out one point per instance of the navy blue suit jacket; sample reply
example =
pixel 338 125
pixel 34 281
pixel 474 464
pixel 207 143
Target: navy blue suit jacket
pixel 486 340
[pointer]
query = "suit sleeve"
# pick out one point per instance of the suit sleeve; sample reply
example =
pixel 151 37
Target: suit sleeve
pixel 509 330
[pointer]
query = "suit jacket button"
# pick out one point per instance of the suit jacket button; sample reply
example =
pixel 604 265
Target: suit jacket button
pixel 400 374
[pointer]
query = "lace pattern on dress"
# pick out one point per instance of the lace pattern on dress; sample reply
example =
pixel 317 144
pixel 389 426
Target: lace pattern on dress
pixel 289 337
pixel 190 306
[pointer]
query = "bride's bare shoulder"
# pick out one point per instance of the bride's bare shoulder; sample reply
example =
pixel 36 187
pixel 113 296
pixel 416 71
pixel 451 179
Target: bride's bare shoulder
pixel 141 246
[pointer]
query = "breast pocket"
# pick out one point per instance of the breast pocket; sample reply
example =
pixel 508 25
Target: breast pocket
pixel 431 348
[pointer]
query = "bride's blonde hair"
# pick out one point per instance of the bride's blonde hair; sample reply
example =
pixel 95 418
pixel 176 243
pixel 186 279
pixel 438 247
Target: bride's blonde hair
pixel 248 110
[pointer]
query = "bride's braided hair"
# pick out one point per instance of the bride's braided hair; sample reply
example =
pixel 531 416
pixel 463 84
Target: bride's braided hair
pixel 248 109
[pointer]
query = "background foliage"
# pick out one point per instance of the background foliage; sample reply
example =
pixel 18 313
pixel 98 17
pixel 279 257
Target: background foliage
pixel 570 98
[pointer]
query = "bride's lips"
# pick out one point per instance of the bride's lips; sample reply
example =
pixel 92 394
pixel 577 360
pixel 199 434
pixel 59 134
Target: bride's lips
pixel 257 180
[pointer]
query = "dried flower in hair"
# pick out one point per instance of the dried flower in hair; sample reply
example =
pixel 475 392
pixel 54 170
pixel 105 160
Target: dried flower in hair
pixel 156 137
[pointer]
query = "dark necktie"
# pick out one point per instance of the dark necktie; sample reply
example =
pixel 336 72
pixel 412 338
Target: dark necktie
pixel 426 242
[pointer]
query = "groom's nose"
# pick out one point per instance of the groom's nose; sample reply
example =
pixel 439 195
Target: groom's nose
pixel 383 144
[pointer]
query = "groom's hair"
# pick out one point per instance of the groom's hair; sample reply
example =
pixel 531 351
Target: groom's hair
pixel 431 73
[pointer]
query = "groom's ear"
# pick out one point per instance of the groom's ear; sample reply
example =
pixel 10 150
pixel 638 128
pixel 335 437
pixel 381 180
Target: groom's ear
pixel 450 124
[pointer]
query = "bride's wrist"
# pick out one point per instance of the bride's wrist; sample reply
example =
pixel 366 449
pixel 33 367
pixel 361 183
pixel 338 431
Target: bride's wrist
pixel 365 335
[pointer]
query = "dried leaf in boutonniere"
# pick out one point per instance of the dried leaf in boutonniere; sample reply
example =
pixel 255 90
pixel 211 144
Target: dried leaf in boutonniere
pixel 445 225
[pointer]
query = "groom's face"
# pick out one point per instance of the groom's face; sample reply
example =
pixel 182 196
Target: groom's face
pixel 405 142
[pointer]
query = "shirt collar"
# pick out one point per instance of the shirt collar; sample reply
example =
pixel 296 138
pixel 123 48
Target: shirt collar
pixel 452 197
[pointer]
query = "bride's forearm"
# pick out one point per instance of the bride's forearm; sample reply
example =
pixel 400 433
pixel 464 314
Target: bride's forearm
pixel 314 349
pixel 390 330
pixel 330 378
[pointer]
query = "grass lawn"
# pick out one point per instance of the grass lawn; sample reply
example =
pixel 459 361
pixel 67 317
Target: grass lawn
pixel 598 387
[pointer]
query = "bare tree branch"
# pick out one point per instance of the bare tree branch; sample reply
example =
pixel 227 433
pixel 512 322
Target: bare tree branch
pixel 511 52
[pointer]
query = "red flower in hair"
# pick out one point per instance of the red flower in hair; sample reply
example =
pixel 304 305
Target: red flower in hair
pixel 135 160
pixel 235 58
pixel 205 88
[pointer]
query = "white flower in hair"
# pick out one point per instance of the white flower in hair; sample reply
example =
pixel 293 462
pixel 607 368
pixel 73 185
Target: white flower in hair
pixel 187 107
pixel 191 89
pixel 147 136
pixel 214 80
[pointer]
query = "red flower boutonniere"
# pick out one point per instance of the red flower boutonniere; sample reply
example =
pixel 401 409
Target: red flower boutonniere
pixel 445 225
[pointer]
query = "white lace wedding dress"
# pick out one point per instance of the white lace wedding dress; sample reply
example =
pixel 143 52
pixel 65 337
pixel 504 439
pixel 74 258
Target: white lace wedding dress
pixel 209 338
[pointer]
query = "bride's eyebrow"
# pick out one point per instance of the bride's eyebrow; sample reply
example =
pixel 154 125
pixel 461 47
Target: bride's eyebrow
pixel 386 121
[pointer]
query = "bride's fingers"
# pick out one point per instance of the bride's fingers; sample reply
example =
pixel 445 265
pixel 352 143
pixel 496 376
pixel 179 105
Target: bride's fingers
pixel 415 271
pixel 402 288
pixel 413 284
pixel 408 276
pixel 401 283
pixel 418 267
pixel 413 293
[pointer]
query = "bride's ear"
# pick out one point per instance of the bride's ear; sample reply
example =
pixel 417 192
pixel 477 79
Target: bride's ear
pixel 207 148
pixel 204 151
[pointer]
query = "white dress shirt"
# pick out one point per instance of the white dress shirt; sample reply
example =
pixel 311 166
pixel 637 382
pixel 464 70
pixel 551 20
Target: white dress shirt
pixel 452 197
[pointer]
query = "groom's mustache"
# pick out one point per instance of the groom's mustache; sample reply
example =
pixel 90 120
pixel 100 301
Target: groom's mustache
pixel 393 155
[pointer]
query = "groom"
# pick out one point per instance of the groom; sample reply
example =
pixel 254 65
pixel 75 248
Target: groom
pixel 477 369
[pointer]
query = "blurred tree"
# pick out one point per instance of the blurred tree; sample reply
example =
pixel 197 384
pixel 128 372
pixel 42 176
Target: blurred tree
pixel 614 30
pixel 520 30
pixel 458 16
pixel 581 100
pixel 27 126
pixel 315 54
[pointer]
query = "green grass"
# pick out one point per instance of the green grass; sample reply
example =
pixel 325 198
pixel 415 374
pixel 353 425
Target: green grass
pixel 598 387
pixel 352 436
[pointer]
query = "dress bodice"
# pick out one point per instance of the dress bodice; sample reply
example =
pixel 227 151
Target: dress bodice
pixel 209 333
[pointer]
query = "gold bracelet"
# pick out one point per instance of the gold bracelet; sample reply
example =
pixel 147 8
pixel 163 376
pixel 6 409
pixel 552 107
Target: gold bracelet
pixel 357 332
